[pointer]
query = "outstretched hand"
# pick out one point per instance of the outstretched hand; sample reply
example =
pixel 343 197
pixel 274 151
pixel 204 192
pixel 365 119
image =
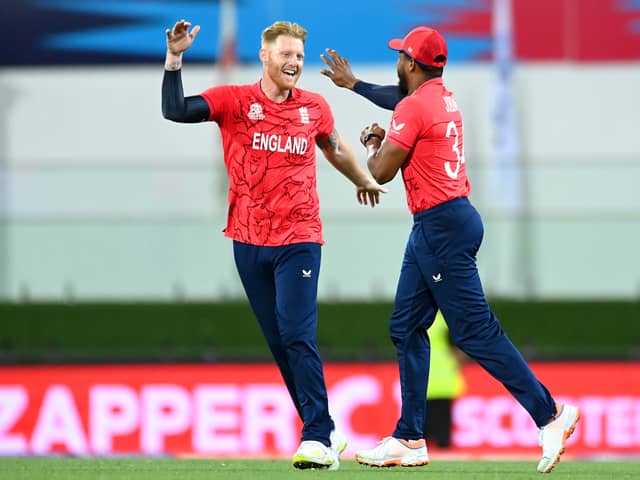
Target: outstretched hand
pixel 179 39
pixel 339 70
pixel 369 194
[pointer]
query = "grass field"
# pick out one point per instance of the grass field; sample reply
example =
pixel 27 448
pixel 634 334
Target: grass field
pixel 170 469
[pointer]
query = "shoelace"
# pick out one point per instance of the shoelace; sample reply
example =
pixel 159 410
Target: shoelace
pixel 381 444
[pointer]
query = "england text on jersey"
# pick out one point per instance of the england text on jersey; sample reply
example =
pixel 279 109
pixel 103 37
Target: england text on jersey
pixel 279 143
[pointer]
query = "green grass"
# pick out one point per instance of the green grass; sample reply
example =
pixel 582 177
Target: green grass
pixel 59 468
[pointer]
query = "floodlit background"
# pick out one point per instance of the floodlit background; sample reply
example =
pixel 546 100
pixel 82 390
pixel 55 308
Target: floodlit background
pixel 104 199
pixel 113 262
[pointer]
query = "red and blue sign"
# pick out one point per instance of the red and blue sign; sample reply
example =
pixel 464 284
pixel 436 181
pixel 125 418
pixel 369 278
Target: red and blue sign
pixel 57 32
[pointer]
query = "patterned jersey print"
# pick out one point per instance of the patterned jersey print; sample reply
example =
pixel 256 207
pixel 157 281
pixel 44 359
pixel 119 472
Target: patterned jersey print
pixel 270 156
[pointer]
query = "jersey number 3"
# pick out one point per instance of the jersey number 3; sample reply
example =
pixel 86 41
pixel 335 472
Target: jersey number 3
pixel 451 128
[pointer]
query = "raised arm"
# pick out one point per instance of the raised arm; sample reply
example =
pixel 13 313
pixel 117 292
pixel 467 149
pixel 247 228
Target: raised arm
pixel 174 104
pixel 341 156
pixel 385 96
pixel 340 73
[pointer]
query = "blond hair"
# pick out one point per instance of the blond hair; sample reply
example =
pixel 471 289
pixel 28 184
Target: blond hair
pixel 290 29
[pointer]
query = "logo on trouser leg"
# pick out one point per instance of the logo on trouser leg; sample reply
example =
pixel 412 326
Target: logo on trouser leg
pixel 437 278
pixel 306 273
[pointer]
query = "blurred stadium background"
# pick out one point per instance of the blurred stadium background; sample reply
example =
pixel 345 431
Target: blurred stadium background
pixel 121 308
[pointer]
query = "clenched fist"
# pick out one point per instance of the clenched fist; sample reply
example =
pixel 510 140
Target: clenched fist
pixel 372 132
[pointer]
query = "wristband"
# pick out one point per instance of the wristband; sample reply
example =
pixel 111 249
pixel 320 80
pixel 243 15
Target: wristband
pixel 369 136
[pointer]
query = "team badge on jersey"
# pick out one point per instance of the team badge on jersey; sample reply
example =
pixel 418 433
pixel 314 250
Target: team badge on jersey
pixel 255 112
pixel 304 115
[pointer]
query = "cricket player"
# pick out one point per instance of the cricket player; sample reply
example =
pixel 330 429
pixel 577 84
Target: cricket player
pixel 425 142
pixel 269 133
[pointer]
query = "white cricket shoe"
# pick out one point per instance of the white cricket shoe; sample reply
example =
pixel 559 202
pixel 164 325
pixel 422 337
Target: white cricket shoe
pixel 554 435
pixel 338 445
pixel 313 454
pixel 393 451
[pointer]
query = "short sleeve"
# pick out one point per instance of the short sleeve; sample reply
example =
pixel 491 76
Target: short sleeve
pixel 326 125
pixel 406 124
pixel 217 98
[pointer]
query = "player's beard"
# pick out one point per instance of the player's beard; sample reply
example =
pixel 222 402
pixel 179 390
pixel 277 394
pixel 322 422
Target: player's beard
pixel 403 85
pixel 275 71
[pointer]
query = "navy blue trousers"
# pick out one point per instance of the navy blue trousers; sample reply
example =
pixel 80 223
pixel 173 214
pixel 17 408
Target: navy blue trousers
pixel 282 286
pixel 439 271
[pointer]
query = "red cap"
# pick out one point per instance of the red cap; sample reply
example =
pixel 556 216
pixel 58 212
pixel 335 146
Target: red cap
pixel 423 44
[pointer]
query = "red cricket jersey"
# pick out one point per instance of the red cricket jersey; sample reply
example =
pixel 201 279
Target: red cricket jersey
pixel 270 155
pixel 428 125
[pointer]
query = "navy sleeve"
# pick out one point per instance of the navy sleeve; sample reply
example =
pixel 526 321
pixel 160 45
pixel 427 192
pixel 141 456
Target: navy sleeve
pixel 385 96
pixel 174 104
